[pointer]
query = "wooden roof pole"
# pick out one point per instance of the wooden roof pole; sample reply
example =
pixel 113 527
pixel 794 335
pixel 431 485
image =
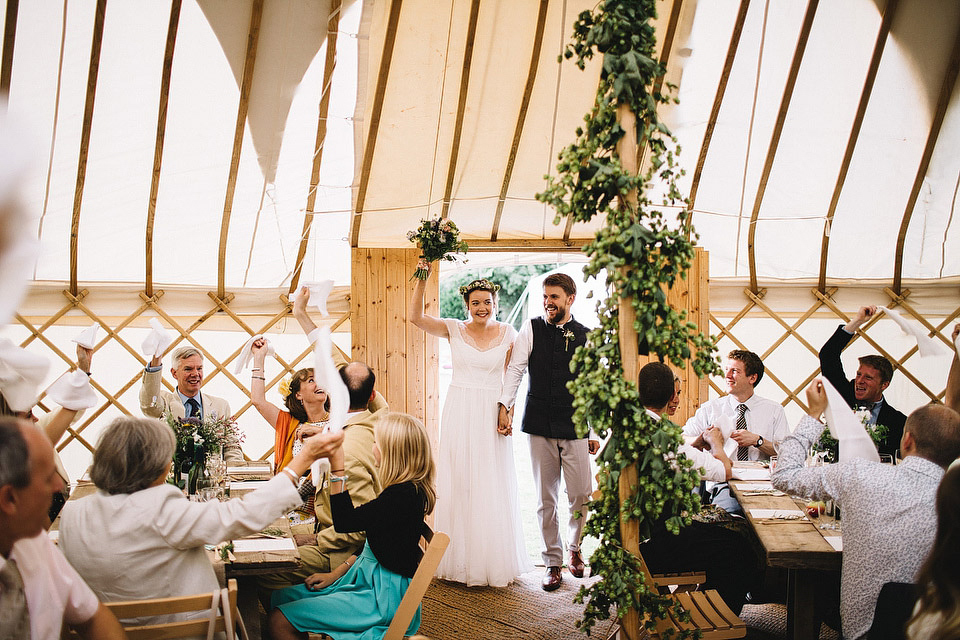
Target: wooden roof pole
pixel 92 73
pixel 775 138
pixel 383 74
pixel 329 65
pixel 9 38
pixel 888 13
pixel 946 90
pixel 172 28
pixel 522 116
pixel 715 110
pixel 461 106
pixel 246 82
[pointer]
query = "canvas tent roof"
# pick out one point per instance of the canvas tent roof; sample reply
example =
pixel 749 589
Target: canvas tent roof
pixel 198 173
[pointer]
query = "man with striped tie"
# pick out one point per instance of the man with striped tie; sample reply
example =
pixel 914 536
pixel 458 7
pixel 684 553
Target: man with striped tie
pixel 756 424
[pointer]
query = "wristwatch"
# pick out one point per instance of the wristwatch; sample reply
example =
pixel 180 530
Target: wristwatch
pixel 759 442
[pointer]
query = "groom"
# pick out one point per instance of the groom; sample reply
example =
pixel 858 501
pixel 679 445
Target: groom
pixel 544 347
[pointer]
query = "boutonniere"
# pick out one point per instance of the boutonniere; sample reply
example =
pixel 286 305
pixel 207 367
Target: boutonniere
pixel 567 336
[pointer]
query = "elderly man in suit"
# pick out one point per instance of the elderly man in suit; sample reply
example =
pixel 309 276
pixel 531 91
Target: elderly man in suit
pixel 865 391
pixel 187 401
pixel 39 590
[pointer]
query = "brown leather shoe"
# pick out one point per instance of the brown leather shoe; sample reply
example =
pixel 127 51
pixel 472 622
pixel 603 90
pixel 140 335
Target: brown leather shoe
pixel 551 579
pixel 576 564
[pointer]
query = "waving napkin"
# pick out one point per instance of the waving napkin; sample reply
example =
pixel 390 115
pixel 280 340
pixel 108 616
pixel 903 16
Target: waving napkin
pixel 846 428
pixel 319 292
pixel 73 390
pixel 326 375
pixel 246 353
pixel 926 345
pixel 156 341
pixel 88 337
pixel 21 374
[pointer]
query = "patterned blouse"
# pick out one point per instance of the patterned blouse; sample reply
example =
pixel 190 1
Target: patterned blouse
pixel 889 518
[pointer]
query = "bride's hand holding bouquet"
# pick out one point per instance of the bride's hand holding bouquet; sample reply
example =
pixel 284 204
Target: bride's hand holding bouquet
pixel 437 239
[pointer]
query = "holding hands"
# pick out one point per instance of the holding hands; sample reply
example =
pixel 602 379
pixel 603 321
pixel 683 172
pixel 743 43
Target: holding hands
pixel 505 421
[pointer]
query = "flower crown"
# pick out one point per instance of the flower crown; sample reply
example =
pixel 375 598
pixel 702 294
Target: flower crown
pixel 284 386
pixel 482 284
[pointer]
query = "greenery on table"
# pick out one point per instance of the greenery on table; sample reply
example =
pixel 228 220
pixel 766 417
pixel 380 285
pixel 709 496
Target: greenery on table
pixel 830 447
pixel 643 252
pixel 197 440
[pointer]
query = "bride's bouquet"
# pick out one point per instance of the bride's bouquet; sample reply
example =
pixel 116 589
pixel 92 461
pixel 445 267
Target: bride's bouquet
pixel 437 239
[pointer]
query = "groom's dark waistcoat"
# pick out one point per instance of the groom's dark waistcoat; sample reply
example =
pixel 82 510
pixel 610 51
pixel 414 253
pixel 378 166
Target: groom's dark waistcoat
pixel 549 410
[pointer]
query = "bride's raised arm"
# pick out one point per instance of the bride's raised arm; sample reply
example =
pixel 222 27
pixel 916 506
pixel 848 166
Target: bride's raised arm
pixel 433 326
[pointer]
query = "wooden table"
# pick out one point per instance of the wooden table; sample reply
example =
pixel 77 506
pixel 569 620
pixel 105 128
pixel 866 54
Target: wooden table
pixel 796 545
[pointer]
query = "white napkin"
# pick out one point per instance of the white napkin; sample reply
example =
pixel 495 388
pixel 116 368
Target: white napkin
pixel 88 337
pixel 727 425
pixel 326 375
pixel 73 391
pixel 846 428
pixel 156 341
pixel 246 353
pixel 21 374
pixel 319 292
pixel 926 345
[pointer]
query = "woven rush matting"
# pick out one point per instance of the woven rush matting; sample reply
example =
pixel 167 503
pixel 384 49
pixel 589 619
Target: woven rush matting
pixel 453 611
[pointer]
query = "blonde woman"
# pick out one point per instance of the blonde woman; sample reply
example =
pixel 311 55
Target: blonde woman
pixel 359 598
pixel 476 480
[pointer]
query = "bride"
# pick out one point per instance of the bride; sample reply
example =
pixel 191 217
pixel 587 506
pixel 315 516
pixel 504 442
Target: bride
pixel 476 482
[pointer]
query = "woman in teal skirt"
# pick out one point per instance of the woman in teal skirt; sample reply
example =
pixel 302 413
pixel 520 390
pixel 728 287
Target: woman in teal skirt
pixel 357 600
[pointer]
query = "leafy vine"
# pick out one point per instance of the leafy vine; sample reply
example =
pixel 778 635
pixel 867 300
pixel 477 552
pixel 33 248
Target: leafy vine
pixel 643 252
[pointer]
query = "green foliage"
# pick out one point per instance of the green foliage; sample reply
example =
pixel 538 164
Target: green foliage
pixel 643 253
pixel 512 281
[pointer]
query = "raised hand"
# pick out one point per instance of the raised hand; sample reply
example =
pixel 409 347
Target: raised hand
pixel 84 358
pixel 816 399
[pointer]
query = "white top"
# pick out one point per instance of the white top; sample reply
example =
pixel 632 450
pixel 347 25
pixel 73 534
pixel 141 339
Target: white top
pixel 149 544
pixel 519 357
pixel 55 592
pixel 703 461
pixel 764 417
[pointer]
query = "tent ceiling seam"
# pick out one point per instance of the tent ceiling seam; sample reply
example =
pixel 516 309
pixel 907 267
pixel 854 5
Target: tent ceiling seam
pixel 9 42
pixel 777 131
pixel 946 90
pixel 556 110
pixel 250 60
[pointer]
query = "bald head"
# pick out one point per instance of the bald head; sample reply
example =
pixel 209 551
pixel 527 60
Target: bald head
pixel 359 379
pixel 935 432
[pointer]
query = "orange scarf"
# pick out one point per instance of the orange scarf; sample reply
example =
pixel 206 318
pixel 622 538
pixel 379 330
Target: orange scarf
pixel 286 429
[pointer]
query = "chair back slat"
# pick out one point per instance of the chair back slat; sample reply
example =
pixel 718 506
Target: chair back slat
pixel 435 548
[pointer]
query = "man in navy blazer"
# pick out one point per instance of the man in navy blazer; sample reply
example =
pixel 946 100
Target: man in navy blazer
pixel 866 390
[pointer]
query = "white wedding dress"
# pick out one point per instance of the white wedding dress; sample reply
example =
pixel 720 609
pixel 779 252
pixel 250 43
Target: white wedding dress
pixel 476 480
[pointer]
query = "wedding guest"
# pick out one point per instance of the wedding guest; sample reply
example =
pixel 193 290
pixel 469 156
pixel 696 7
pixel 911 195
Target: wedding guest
pixel 139 537
pixel 937 615
pixel 889 521
pixel 187 401
pixel 359 597
pixel 476 479
pixel 865 391
pixel 674 403
pixel 39 590
pixel 326 547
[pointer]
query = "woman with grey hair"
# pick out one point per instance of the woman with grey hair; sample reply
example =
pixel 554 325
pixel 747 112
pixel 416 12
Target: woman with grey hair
pixel 139 537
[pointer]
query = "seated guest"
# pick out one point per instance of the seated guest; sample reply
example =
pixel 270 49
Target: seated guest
pixel 727 558
pixel 188 401
pixel 888 511
pixel 866 390
pixel 361 595
pixel 952 396
pixel 55 423
pixel 759 424
pixel 938 612
pixel 39 590
pixel 327 547
pixel 139 537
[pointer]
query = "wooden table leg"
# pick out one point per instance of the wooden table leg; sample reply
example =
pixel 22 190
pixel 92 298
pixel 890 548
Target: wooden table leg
pixel 802 620
pixel 248 604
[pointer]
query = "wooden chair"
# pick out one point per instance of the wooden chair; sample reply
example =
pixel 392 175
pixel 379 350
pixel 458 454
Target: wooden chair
pixel 434 545
pixel 221 606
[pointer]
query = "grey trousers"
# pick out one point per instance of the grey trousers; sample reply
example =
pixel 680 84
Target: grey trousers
pixel 550 458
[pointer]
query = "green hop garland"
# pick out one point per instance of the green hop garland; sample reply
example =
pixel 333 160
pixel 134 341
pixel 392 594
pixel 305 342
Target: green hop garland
pixel 643 253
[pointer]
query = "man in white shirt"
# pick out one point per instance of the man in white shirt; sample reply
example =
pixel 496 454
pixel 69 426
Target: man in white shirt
pixel 39 590
pixel 726 556
pixel 756 424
